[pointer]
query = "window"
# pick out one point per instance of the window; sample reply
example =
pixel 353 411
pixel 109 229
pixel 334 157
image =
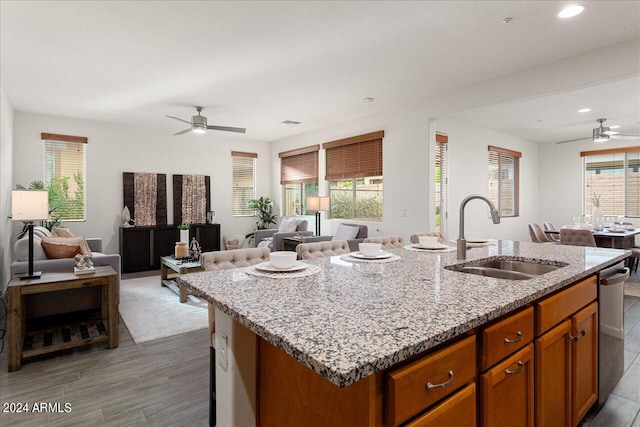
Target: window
pixel 612 179
pixel 441 183
pixel 244 182
pixel 354 172
pixel 504 180
pixel 299 177
pixel 64 174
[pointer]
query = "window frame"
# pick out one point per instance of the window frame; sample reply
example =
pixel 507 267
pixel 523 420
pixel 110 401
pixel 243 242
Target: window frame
pixel 514 156
pixel 298 168
pixel 239 212
pixel 52 142
pixel 441 186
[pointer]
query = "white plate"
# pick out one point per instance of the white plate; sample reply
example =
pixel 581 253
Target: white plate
pixel 437 246
pixel 477 241
pixel 381 255
pixel 266 266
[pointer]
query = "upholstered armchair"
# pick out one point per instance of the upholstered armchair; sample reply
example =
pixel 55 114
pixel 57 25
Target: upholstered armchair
pixel 324 249
pixel 576 237
pixel 387 242
pixel 272 237
pixel 346 232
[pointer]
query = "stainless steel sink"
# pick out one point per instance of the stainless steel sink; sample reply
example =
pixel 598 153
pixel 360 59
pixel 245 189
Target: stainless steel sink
pixel 512 269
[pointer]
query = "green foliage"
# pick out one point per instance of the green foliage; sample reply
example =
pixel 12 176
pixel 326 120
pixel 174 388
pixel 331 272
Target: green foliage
pixel 264 213
pixel 184 226
pixel 367 205
pixel 55 217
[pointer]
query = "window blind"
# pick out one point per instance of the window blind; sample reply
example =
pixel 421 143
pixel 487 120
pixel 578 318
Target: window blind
pixel 355 157
pixel 612 179
pixel 64 173
pixel 299 166
pixel 243 166
pixel 441 182
pixel 504 180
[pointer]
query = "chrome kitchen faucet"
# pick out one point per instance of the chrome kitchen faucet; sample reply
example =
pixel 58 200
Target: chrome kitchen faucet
pixel 462 241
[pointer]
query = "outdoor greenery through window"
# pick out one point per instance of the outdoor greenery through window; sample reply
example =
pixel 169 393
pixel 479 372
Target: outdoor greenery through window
pixel 299 178
pixel 354 172
pixel 244 170
pixel 504 183
pixel 441 183
pixel 612 180
pixel 64 174
pixel 295 198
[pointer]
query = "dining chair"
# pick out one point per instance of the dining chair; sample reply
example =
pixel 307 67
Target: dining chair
pixel 537 235
pixel 324 249
pixel 415 238
pixel 576 237
pixel 548 226
pixel 387 242
pixel 225 260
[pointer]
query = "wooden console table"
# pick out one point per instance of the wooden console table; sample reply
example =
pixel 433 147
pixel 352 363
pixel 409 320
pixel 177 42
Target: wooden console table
pixel 24 342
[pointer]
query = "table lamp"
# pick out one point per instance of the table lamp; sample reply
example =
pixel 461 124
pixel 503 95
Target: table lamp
pixel 29 206
pixel 318 204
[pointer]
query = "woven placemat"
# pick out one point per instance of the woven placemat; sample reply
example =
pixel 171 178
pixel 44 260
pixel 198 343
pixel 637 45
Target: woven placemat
pixel 348 257
pixel 429 251
pixel 309 271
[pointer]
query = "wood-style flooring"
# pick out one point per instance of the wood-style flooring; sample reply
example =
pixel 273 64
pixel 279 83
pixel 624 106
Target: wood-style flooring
pixel 158 383
pixel 165 383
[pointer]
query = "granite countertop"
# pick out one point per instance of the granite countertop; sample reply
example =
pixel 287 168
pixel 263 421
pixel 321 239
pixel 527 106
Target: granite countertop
pixel 353 319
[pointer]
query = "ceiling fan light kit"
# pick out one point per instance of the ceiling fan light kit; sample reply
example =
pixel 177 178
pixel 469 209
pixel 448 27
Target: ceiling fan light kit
pixel 603 134
pixel 199 125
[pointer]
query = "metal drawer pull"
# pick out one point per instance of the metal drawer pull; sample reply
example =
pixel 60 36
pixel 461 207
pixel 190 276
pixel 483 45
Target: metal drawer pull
pixel 576 337
pixel 515 371
pixel 519 334
pixel 430 385
pixel 582 332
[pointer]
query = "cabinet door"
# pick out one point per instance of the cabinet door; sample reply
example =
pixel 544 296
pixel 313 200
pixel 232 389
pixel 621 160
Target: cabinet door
pixel 507 391
pixel 135 249
pixel 457 410
pixel 164 243
pixel 208 235
pixel 584 390
pixel 553 376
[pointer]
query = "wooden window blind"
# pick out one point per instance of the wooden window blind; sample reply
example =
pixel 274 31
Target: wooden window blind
pixel 354 157
pixel 441 183
pixel 504 175
pixel 299 166
pixel 65 173
pixel 612 179
pixel 243 166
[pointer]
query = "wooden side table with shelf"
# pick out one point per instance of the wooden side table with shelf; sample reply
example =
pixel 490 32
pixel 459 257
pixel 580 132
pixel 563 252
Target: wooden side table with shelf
pixel 25 341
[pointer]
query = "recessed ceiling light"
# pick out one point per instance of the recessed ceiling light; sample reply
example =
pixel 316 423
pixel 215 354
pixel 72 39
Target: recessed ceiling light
pixel 584 110
pixel 571 11
pixel 366 100
pixel 290 122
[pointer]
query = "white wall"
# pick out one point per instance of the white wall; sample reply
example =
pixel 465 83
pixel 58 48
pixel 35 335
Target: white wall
pixel 114 149
pixel 6 184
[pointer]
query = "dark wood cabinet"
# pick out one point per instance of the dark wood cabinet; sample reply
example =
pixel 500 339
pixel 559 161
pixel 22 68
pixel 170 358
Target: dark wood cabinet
pixel 142 247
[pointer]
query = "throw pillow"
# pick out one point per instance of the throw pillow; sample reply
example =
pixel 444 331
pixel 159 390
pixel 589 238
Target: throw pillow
pixel 41 231
pixel 346 232
pixel 80 241
pixel 21 249
pixel 61 232
pixel 288 225
pixel 60 250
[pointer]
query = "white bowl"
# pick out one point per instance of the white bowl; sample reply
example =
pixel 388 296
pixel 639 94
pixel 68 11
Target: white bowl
pixel 283 259
pixel 370 249
pixel 428 241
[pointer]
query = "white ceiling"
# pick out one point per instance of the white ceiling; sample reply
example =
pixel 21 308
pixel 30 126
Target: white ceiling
pixel 256 64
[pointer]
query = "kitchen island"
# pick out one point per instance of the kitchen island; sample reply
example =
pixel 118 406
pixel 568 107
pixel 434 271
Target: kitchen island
pixel 353 321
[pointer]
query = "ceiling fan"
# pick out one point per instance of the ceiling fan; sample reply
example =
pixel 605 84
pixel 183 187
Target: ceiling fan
pixel 603 134
pixel 199 125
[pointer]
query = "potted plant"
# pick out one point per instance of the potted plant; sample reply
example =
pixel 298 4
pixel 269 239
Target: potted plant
pixel 184 233
pixel 264 213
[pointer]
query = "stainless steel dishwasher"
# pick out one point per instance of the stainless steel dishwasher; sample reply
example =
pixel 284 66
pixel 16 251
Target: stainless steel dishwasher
pixel 611 328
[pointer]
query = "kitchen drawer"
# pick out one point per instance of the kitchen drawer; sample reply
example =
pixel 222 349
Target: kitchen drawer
pixel 506 336
pixel 457 410
pixel 560 306
pixel 414 387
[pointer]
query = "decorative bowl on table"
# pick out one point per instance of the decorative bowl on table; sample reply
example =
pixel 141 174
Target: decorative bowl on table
pixel 283 259
pixel 370 249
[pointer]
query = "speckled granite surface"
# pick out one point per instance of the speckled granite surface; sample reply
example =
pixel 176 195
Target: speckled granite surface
pixel 354 319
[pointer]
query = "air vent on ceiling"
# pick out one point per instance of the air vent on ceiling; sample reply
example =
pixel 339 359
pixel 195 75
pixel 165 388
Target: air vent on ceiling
pixel 290 122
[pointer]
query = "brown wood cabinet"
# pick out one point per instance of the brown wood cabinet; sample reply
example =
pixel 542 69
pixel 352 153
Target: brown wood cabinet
pixel 506 392
pixel 584 362
pixel 457 410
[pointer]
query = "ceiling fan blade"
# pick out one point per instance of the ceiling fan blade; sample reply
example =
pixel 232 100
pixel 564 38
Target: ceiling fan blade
pixel 182 131
pixel 572 140
pixel 176 118
pixel 626 137
pixel 227 128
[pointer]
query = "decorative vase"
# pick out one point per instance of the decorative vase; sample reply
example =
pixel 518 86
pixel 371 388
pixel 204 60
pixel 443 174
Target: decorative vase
pixel 181 250
pixel 211 217
pixel 597 218
pixel 184 236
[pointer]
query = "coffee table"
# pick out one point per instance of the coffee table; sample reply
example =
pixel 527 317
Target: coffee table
pixel 170 265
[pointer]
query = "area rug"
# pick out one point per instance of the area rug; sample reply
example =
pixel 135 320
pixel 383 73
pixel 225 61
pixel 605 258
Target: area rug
pixel 151 311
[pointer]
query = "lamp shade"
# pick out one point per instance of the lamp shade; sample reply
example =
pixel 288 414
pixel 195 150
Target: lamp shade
pixel 318 203
pixel 29 205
